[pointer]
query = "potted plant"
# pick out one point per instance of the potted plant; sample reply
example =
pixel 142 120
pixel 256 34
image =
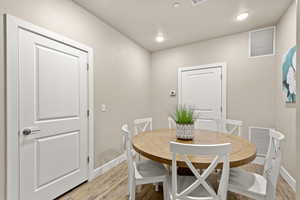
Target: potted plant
pixel 184 123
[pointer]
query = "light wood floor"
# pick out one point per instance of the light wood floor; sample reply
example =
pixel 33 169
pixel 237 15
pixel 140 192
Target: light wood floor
pixel 113 186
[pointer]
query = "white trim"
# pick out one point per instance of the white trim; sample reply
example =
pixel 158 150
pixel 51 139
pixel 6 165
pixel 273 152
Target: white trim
pixel 91 112
pixel 288 178
pixel 12 147
pixel 109 165
pixel 13 24
pixel 223 66
pixel 274 42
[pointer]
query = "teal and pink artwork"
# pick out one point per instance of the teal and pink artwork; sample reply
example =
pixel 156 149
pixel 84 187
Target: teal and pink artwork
pixel 289 75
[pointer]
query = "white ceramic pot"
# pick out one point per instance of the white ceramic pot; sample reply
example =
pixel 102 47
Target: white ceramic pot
pixel 185 131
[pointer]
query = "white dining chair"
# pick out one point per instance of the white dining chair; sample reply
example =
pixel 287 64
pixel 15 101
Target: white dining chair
pixel 142 172
pixel 261 138
pixel 229 126
pixel 206 124
pixel 256 186
pixel 171 123
pixel 197 186
pixel 142 125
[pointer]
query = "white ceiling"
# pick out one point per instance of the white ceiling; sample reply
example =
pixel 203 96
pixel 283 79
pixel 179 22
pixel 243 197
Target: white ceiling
pixel 141 20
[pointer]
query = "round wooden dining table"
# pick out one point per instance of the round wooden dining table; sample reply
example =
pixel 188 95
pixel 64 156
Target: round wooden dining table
pixel 155 145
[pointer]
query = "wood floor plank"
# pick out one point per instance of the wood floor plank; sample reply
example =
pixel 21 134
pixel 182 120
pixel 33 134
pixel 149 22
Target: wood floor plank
pixel 113 186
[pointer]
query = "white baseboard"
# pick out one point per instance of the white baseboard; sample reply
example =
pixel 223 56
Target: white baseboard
pixel 107 166
pixel 288 178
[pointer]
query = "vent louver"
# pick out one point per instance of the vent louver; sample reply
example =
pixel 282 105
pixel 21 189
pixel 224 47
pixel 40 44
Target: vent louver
pixel 262 42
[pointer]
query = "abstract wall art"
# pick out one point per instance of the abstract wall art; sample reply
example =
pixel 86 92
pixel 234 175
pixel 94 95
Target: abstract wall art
pixel 289 75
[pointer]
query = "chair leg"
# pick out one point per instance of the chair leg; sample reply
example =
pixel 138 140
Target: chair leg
pixel 166 190
pixel 129 188
pixel 226 194
pixel 132 191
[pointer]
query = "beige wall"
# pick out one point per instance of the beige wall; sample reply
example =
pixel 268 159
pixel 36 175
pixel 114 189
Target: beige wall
pixel 286 113
pixel 121 69
pixel 122 78
pixel 254 90
pixel 250 87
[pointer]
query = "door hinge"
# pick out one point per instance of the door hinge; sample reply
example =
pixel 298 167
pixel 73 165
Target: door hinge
pixel 221 76
pixel 88 159
pixel 88 113
pixel 87 66
pixel 221 108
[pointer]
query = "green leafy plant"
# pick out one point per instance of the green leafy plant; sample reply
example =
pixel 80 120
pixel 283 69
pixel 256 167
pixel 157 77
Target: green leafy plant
pixel 183 115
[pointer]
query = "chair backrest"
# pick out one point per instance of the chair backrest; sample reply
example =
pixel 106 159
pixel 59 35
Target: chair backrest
pixel 273 163
pixel 261 138
pixel 220 152
pixel 128 146
pixel 171 122
pixel 206 124
pixel 232 127
pixel 142 125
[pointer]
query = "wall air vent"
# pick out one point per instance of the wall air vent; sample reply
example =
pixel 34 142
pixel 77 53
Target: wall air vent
pixel 262 42
pixel 197 2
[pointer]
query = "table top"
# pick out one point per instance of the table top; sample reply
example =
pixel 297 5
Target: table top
pixel 155 145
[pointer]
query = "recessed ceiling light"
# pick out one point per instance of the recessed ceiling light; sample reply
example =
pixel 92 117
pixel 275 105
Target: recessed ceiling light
pixel 160 38
pixel 242 16
pixel 176 4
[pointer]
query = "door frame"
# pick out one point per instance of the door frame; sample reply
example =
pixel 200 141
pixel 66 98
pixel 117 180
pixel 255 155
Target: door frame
pixel 223 66
pixel 13 25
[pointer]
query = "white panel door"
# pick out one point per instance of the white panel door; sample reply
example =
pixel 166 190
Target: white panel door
pixel 53 119
pixel 202 90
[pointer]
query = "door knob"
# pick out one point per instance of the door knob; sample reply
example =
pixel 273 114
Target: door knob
pixel 29 131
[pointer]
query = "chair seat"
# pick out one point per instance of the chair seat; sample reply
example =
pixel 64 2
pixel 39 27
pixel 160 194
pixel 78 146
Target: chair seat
pixel 185 181
pixel 247 183
pixel 149 168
